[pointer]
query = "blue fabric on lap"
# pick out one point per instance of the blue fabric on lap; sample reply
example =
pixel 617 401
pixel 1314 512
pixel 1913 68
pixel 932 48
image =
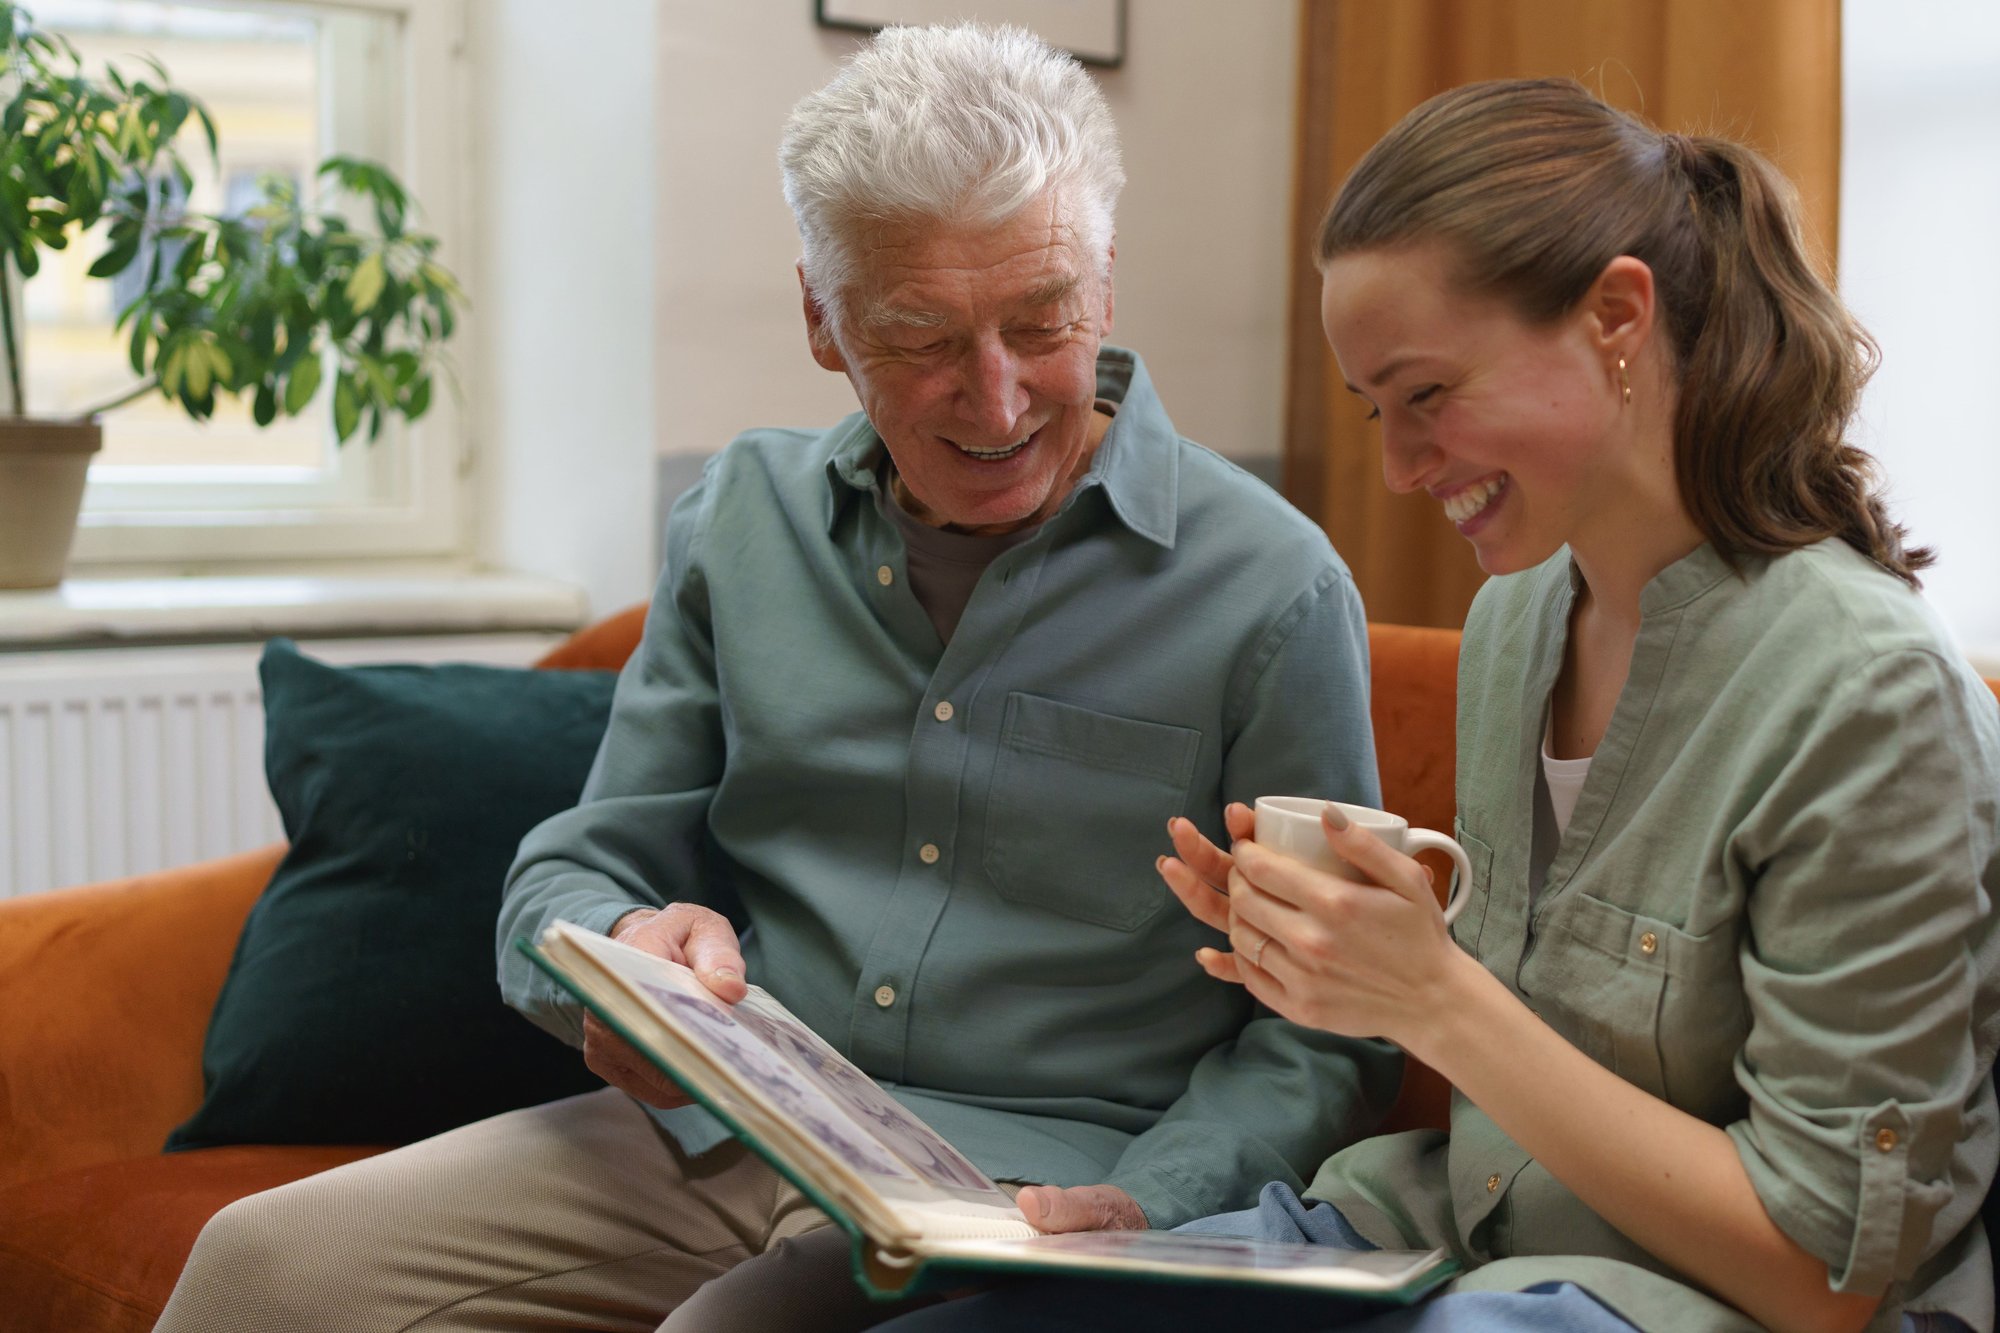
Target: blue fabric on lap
pixel 1283 1216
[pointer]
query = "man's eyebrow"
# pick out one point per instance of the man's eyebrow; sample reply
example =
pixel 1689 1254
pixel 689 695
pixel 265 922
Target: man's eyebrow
pixel 882 312
pixel 1053 291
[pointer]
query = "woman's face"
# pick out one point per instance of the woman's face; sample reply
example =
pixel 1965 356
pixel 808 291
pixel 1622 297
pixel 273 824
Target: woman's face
pixel 1507 425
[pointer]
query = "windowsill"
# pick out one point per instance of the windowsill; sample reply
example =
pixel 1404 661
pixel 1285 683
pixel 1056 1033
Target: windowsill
pixel 98 612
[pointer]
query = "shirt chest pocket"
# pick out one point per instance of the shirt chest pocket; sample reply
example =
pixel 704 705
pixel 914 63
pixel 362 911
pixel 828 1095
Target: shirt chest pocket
pixel 1079 806
pixel 1660 1007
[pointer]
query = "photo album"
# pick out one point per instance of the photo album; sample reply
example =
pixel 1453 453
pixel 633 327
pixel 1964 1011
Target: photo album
pixel 916 1208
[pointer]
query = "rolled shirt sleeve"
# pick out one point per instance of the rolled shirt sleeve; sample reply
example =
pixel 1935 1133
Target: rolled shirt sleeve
pixel 1862 966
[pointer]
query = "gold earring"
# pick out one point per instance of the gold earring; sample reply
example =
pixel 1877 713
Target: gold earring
pixel 1624 383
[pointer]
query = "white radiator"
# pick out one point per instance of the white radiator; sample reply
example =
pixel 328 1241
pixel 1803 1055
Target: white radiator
pixel 117 761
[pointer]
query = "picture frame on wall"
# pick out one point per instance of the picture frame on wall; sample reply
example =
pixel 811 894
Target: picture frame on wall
pixel 1091 30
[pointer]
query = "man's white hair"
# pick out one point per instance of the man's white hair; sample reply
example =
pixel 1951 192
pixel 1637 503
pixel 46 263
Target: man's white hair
pixel 959 123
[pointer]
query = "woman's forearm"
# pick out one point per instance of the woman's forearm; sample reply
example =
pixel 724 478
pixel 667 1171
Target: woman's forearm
pixel 1672 1183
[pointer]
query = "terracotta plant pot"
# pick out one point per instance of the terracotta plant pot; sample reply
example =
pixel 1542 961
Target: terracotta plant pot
pixel 42 467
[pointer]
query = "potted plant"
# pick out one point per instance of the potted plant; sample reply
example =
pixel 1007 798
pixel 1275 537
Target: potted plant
pixel 255 305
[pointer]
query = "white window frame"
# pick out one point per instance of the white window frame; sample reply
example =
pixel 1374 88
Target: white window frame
pixel 408 493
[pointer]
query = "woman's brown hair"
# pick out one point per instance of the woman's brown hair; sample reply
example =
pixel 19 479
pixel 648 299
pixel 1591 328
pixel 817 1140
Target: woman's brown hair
pixel 1534 185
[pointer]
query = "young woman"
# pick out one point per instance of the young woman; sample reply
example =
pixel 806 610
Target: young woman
pixel 1721 1011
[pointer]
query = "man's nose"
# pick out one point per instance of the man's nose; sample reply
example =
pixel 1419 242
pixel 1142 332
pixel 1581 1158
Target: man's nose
pixel 991 395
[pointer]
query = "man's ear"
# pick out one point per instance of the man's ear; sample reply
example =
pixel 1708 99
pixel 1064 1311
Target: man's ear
pixel 1620 308
pixel 819 327
pixel 1110 260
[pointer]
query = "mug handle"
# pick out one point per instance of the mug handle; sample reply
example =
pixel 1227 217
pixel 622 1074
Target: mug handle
pixel 1430 840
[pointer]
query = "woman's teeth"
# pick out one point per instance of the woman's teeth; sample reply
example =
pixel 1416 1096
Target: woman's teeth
pixel 993 455
pixel 1468 503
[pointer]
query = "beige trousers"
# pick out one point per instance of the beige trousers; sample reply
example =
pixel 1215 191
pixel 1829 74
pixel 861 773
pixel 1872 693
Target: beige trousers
pixel 578 1215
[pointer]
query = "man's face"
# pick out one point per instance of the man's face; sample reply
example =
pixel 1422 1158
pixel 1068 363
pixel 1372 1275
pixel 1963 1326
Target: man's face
pixel 973 350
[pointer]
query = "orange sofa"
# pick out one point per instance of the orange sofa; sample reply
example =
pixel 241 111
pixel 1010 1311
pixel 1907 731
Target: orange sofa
pixel 105 994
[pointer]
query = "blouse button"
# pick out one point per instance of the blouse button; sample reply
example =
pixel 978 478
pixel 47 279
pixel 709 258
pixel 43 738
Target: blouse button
pixel 885 576
pixel 885 996
pixel 1493 1183
pixel 1885 1140
pixel 943 710
pixel 928 853
pixel 1649 944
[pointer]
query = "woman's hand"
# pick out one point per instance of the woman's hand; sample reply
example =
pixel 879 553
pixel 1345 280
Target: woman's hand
pixel 1199 873
pixel 1365 959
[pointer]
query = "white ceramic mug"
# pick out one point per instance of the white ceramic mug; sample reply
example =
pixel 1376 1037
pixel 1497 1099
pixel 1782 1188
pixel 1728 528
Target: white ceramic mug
pixel 1290 824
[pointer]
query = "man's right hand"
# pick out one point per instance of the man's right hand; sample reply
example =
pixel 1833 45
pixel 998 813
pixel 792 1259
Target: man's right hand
pixel 679 933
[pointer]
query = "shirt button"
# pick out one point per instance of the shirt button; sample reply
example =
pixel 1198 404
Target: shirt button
pixel 1493 1183
pixel 1649 943
pixel 885 576
pixel 928 853
pixel 943 710
pixel 885 996
pixel 1885 1140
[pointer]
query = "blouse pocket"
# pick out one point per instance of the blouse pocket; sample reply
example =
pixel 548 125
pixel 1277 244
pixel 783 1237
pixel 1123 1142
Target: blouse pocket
pixel 1662 1008
pixel 1078 798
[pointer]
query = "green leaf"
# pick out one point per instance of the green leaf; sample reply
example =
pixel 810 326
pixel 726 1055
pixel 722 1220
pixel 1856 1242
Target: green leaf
pixel 208 128
pixel 346 407
pixel 117 259
pixel 175 116
pixel 170 369
pixel 26 260
pixel 419 400
pixel 200 371
pixel 140 327
pixel 364 287
pixel 440 278
pixel 264 410
pixel 303 384
pixel 218 361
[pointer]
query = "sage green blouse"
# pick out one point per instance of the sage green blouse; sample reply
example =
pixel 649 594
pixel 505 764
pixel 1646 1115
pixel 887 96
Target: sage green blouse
pixel 1772 908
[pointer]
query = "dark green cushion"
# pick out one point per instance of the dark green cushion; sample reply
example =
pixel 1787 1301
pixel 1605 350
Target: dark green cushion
pixel 362 1005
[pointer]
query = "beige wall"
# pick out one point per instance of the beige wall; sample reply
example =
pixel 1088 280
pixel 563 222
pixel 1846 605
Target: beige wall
pixel 1205 104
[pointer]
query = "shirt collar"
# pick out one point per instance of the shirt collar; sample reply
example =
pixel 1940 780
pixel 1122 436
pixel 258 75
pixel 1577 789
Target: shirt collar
pixel 1137 464
pixel 1672 588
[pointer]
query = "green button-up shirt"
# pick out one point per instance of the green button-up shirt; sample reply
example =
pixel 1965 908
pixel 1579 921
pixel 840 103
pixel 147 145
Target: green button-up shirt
pixel 1772 907
pixel 962 899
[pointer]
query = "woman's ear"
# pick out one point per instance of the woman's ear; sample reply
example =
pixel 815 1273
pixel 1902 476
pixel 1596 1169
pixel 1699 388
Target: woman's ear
pixel 1620 307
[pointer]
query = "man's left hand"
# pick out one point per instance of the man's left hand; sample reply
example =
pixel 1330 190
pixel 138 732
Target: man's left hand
pixel 1080 1208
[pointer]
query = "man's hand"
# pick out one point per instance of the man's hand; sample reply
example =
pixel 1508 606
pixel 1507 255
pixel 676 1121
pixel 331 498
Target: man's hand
pixel 1080 1208
pixel 679 933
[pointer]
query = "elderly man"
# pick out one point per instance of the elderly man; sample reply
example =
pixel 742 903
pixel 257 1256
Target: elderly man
pixel 918 699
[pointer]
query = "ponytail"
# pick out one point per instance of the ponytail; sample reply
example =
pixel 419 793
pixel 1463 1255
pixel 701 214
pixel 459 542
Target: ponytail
pixel 1771 369
pixel 1535 186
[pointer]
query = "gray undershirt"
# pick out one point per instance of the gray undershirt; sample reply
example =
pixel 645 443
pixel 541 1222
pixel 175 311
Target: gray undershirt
pixel 944 567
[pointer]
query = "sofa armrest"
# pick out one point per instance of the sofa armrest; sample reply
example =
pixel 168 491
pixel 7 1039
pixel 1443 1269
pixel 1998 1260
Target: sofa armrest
pixel 105 994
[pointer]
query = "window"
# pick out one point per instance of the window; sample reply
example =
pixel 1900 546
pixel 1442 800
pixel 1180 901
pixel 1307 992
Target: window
pixel 288 85
pixel 1920 199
